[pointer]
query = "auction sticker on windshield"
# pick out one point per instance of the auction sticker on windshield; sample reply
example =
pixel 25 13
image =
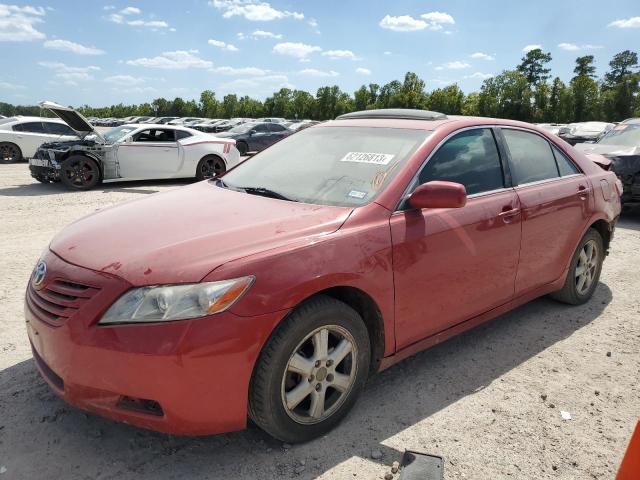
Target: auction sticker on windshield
pixel 367 157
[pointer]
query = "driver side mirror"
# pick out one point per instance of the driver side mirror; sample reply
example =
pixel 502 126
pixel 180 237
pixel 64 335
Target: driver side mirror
pixel 439 194
pixel 252 132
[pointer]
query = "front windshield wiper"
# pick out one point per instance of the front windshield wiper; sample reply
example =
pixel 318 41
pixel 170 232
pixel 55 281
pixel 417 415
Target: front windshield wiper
pixel 265 192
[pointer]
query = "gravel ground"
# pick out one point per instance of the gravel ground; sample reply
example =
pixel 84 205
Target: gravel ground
pixel 489 401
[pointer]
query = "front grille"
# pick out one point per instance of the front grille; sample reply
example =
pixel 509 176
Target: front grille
pixel 57 301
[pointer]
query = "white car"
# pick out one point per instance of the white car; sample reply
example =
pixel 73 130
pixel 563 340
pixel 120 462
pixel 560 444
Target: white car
pixel 129 152
pixel 20 137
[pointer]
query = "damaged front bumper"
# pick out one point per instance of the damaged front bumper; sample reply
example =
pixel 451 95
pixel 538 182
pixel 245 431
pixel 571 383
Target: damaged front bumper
pixel 627 169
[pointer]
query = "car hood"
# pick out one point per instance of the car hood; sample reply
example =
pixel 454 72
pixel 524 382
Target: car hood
pixel 77 122
pixel 182 235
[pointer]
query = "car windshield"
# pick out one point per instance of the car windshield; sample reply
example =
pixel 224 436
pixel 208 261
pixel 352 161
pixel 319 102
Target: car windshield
pixel 626 134
pixel 339 166
pixel 112 136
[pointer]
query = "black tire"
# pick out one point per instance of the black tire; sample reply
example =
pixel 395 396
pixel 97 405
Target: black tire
pixel 10 153
pixel 80 172
pixel 210 166
pixel 271 374
pixel 242 147
pixel 570 292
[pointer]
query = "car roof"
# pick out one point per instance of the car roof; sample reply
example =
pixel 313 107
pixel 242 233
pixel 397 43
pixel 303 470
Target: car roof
pixel 36 119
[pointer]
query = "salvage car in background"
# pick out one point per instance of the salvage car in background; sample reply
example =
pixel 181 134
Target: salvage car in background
pixel 621 145
pixel 575 133
pixel 129 152
pixel 276 290
pixel 255 137
pixel 20 137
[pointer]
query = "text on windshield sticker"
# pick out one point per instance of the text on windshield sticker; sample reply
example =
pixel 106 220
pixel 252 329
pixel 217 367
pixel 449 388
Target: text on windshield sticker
pixel 366 157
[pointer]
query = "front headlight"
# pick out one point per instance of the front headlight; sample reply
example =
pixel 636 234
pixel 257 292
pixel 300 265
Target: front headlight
pixel 176 302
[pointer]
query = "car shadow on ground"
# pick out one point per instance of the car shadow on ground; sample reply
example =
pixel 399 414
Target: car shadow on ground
pixel 37 189
pixel 393 401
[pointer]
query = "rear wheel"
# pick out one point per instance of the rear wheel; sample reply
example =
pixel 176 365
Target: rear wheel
pixel 80 173
pixel 10 153
pixel 210 166
pixel 584 271
pixel 311 371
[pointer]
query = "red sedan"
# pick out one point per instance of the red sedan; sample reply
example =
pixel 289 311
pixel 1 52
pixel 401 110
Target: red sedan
pixel 274 291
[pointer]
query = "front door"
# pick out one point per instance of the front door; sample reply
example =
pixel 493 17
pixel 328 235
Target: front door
pixel 150 153
pixel 453 264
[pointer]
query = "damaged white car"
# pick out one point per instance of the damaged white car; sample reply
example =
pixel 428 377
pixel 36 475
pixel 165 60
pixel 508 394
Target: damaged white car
pixel 129 152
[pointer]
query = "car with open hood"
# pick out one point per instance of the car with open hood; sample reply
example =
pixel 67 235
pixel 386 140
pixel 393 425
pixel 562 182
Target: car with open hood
pixel 129 152
pixel 20 137
pixel 275 290
pixel 621 146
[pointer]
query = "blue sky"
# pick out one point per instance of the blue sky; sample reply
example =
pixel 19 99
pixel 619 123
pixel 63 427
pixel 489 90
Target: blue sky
pixel 99 53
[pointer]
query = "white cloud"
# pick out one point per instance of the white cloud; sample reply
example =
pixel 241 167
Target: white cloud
pixel 436 20
pixel 363 71
pixel 116 18
pixel 131 11
pixel 17 23
pixel 11 86
pixel 572 47
pixel 253 10
pixel 406 23
pixel 336 54
pixel 106 8
pixel 457 65
pixel 312 72
pixel 528 48
pixel 479 75
pixel 387 52
pixel 403 23
pixel 177 60
pixel 313 23
pixel 68 46
pixel 263 34
pixel 297 50
pixel 124 80
pixel 70 75
pixel 153 24
pixel 481 56
pixel 222 45
pixel 256 86
pixel 240 71
pixel 632 22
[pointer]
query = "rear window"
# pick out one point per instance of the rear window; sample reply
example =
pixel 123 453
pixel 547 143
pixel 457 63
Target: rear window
pixel 341 166
pixel 531 157
pixel 565 165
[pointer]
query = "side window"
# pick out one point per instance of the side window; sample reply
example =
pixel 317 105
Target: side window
pixel 31 127
pixel 155 135
pixel 261 128
pixel 470 158
pixel 58 128
pixel 180 134
pixel 531 157
pixel 565 165
pixel 274 127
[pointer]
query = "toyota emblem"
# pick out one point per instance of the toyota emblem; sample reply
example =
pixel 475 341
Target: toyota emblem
pixel 39 273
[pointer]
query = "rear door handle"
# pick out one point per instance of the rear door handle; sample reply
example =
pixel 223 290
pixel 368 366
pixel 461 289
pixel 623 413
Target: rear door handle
pixel 583 192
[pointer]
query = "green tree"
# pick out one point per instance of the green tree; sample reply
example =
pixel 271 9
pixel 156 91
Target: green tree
pixel 507 95
pixel 471 105
pixel 447 100
pixel 209 104
pixel 622 64
pixel 412 92
pixel 585 67
pixel 533 66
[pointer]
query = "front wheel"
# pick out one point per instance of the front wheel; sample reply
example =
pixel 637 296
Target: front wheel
pixel 584 272
pixel 209 167
pixel 311 371
pixel 80 173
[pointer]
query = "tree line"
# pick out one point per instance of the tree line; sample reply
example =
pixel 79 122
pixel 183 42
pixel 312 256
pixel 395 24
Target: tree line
pixel 528 93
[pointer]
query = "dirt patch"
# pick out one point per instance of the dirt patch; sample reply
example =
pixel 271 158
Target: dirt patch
pixel 489 401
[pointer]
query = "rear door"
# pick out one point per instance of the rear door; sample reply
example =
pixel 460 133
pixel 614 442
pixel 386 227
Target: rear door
pixel 278 132
pixel 554 199
pixel 260 138
pixel 149 153
pixel 451 264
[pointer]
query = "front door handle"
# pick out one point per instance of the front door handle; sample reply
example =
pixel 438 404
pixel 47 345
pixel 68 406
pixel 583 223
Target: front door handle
pixel 508 213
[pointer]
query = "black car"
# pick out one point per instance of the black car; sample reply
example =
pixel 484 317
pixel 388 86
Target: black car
pixel 254 137
pixel 621 145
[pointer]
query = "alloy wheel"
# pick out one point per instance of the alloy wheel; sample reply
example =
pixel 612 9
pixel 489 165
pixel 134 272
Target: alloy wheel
pixel 586 267
pixel 319 374
pixel 80 172
pixel 9 153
